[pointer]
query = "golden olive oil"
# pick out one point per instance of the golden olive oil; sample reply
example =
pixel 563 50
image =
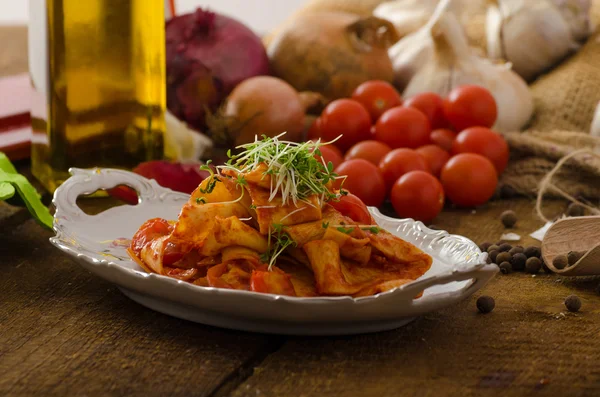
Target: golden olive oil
pixel 104 87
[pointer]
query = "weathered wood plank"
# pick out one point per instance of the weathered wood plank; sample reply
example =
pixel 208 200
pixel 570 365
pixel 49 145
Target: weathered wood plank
pixel 63 331
pixel 529 345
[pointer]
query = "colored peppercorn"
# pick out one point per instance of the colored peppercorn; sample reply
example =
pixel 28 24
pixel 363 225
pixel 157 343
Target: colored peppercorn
pixel 505 267
pixel 532 251
pixel 493 256
pixel 492 247
pixel 518 261
pixel 484 246
pixel 485 304
pixel 560 262
pixel 508 218
pixel 503 257
pixel 533 265
pixel 575 210
pixel 574 256
pixel 573 303
pixel 517 249
pixel 505 247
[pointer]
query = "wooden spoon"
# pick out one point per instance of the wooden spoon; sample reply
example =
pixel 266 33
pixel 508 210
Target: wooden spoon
pixel 574 234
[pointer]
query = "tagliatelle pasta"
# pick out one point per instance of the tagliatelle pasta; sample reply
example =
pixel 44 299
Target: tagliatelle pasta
pixel 267 222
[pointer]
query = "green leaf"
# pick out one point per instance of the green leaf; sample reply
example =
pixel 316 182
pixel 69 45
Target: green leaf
pixel 20 184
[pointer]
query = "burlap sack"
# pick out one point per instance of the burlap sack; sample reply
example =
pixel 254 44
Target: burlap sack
pixel 565 102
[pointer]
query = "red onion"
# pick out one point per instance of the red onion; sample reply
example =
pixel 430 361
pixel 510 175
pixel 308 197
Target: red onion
pixel 208 54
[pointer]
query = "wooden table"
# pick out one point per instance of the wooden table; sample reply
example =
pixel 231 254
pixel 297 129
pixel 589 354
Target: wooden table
pixel 64 332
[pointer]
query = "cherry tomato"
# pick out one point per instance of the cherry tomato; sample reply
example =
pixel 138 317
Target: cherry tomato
pixel 364 180
pixel 314 132
pixel 403 127
pixel 377 96
pixel 469 179
pixel 470 106
pixel 432 106
pixel 372 151
pixel 417 195
pixel 399 162
pixel 353 207
pixel 347 118
pixel 443 137
pixel 436 157
pixel 483 141
pixel 331 153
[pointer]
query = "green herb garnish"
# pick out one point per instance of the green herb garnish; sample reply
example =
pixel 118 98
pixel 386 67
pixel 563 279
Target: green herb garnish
pixel 325 225
pixel 295 173
pixel 278 241
pixel 200 200
pixel 345 230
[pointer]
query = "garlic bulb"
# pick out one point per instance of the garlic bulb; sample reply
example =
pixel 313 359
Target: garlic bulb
pixel 532 35
pixel 410 53
pixel 595 129
pixel 577 16
pixel 454 64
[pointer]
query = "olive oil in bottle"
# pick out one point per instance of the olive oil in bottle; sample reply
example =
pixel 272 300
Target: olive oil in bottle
pixel 98 72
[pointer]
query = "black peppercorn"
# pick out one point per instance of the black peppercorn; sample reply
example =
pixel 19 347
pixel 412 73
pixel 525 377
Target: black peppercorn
pixel 493 255
pixel 507 192
pixel 505 267
pixel 505 247
pixel 546 268
pixel 574 256
pixel 575 210
pixel 532 251
pixel 573 303
pixel 508 218
pixel 485 304
pixel 484 246
pixel 492 247
pixel 517 249
pixel 560 262
pixel 503 257
pixel 518 261
pixel 533 265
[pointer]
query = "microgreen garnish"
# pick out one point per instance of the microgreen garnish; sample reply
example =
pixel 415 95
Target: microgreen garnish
pixel 374 230
pixel 252 207
pixel 295 172
pixel 212 179
pixel 325 225
pixel 345 230
pixel 277 242
pixel 200 200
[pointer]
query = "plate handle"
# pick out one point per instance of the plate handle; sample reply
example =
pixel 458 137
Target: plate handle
pixel 480 276
pixel 88 181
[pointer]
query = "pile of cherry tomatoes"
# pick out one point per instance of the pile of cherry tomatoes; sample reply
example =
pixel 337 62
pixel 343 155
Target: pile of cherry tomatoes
pixel 416 152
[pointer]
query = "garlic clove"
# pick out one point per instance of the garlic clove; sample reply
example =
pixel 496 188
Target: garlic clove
pixel 533 36
pixel 577 15
pixel 407 16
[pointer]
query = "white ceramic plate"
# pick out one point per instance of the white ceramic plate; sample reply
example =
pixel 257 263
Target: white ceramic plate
pixel 458 268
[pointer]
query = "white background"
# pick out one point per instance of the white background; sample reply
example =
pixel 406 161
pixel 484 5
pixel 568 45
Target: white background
pixel 259 15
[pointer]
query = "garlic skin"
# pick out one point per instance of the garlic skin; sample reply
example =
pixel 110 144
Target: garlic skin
pixel 532 35
pixel 408 16
pixel 413 51
pixel 577 15
pixel 454 64
pixel 595 128
pixel 183 143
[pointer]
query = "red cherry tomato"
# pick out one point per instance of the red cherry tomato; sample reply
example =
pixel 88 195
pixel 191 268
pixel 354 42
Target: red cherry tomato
pixel 443 137
pixel 486 142
pixel 436 157
pixel 417 195
pixel 364 180
pixel 353 207
pixel 377 96
pixel 469 179
pixel 432 106
pixel 470 106
pixel 347 118
pixel 314 132
pixel 372 151
pixel 148 232
pixel 403 127
pixel 331 153
pixel 399 162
